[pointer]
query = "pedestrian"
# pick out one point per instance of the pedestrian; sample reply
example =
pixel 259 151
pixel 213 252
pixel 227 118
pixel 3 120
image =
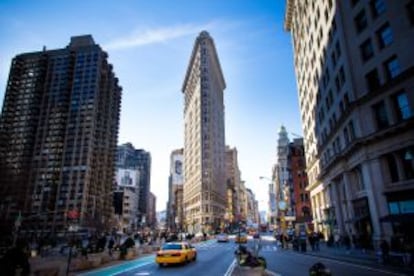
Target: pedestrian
pixel 385 251
pixel 111 244
pixel 316 240
pixel 337 239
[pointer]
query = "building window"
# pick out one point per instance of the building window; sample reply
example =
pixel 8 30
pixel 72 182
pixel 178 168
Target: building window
pixel 372 79
pixel 377 7
pixel 366 49
pixel 346 137
pixel 361 21
pixel 408 162
pixel 351 130
pixel 392 67
pixel 338 49
pixel 384 35
pixel 402 106
pixel 392 167
pixel 380 113
pixel 410 11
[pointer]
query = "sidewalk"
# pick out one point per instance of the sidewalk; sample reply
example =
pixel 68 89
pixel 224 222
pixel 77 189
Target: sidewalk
pixel 356 256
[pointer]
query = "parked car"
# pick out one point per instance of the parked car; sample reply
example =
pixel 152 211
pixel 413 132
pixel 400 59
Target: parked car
pixel 176 252
pixel 222 237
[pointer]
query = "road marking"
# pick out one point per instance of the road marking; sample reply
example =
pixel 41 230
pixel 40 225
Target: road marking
pixel 120 268
pixel 231 268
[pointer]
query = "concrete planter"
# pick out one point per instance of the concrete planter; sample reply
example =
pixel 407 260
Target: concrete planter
pixel 248 271
pixel 116 255
pixel 79 264
pixel 105 258
pixel 131 253
pixel 95 259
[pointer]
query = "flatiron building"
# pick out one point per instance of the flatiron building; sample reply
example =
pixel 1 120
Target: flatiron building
pixel 204 189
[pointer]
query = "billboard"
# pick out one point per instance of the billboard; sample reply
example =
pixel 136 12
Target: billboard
pixel 127 178
pixel 177 169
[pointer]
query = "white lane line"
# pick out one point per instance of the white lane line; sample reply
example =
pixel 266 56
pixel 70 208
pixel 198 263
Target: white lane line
pixel 231 268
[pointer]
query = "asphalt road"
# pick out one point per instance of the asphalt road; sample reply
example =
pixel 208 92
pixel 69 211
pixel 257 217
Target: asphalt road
pixel 217 259
pixel 292 263
pixel 212 259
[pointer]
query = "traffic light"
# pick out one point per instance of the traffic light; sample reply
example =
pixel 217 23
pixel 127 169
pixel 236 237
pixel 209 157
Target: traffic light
pixel 118 202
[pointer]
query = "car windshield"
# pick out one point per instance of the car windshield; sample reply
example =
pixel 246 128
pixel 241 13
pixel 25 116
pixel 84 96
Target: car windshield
pixel 171 247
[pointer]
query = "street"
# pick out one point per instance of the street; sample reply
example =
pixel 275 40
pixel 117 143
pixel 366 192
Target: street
pixel 217 258
pixel 213 259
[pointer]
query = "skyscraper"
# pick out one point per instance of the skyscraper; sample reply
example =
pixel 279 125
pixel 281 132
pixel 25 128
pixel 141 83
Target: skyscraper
pixel 282 178
pixel 58 136
pixel 175 216
pixel 138 159
pixel 204 140
pixel 354 69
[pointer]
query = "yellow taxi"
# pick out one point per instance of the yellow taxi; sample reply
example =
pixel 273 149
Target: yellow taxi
pixel 176 252
pixel 242 238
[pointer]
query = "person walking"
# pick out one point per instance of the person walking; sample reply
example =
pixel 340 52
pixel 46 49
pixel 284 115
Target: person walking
pixel 111 244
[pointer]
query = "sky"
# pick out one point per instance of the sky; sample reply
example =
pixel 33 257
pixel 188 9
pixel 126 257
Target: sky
pixel 149 44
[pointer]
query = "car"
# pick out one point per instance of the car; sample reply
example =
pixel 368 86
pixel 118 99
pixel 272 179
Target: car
pixel 241 238
pixel 222 237
pixel 175 253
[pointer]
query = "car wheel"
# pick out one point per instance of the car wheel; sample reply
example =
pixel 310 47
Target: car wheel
pixel 160 265
pixel 195 257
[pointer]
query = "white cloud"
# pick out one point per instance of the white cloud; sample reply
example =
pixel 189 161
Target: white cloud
pixel 158 35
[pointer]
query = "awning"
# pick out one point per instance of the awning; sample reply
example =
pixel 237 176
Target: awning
pixel 409 217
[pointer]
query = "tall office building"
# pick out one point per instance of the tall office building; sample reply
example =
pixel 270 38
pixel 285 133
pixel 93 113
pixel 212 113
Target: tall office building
pixel 204 140
pixel 282 179
pixel 175 216
pixel 138 159
pixel 58 135
pixel 299 182
pixel 355 76
pixel 233 183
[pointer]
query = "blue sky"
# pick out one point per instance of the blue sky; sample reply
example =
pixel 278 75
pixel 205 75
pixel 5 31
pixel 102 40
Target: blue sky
pixel 149 43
